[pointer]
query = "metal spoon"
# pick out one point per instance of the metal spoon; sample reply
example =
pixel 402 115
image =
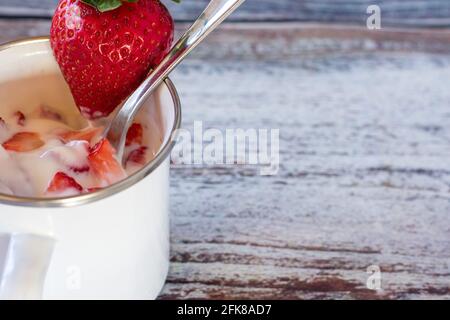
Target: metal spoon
pixel 215 13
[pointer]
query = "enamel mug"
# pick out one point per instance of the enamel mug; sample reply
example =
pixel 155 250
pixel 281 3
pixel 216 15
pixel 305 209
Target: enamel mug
pixel 111 244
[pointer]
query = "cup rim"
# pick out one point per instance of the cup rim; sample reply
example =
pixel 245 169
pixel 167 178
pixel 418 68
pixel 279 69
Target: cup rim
pixel 113 189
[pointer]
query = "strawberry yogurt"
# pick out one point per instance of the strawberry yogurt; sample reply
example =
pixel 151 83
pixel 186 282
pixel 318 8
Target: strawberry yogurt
pixel 41 156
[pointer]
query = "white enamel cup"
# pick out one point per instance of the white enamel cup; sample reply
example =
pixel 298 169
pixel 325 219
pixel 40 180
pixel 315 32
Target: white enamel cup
pixel 112 244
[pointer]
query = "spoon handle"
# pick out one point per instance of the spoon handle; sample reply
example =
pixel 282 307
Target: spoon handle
pixel 214 14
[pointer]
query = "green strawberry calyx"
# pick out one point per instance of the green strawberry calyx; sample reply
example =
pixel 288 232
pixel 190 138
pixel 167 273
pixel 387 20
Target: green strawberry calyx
pixel 108 5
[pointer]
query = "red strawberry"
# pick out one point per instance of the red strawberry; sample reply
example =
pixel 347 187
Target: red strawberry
pixel 104 164
pixel 135 134
pixel 23 142
pixel 105 55
pixel 138 156
pixel 20 118
pixel 62 182
pixel 83 135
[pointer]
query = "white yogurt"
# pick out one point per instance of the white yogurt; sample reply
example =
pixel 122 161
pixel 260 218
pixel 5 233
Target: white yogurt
pixel 29 173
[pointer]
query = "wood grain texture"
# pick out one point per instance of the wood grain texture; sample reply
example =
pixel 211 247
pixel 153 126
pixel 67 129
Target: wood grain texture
pixel 364 180
pixel 279 41
pixel 394 12
pixel 364 177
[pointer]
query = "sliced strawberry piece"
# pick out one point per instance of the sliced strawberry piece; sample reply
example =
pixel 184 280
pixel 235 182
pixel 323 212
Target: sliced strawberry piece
pixel 95 189
pixel 23 142
pixel 20 118
pixel 138 156
pixel 82 169
pixel 45 112
pixel 135 134
pixel 62 182
pixel 104 164
pixel 83 135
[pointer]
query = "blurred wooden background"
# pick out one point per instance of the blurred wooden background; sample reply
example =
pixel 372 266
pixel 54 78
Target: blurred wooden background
pixel 365 138
pixel 427 13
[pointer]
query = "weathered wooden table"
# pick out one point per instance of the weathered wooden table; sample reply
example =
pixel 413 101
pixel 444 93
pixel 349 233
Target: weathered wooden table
pixel 364 179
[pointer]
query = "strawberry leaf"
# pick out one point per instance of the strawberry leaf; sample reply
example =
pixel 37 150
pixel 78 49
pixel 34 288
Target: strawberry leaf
pixel 108 5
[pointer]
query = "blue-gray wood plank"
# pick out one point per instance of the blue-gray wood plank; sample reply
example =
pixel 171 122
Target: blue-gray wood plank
pixel 425 13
